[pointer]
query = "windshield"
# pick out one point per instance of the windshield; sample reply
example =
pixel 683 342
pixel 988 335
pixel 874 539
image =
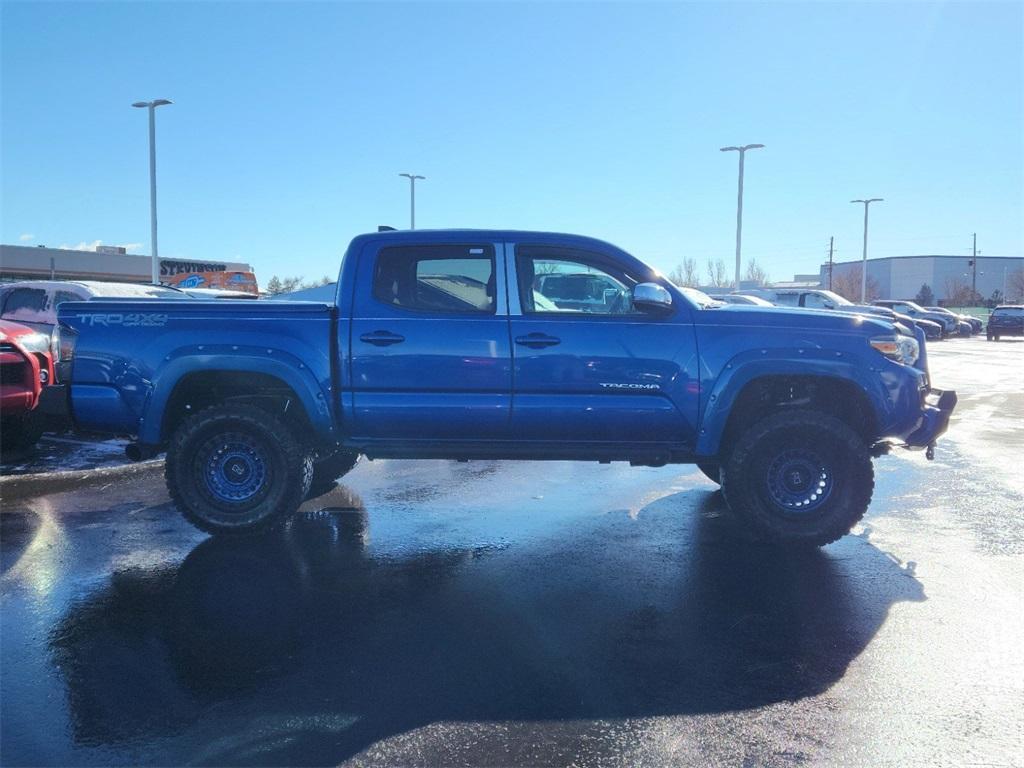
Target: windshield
pixel 836 298
pixel 701 299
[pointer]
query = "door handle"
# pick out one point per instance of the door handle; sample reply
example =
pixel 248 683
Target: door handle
pixel 382 338
pixel 537 340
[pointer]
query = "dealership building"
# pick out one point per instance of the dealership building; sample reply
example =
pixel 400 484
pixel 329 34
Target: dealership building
pixel 107 263
pixel 901 277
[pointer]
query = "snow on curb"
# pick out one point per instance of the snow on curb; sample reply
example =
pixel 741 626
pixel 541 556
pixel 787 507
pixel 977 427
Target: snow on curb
pixel 55 482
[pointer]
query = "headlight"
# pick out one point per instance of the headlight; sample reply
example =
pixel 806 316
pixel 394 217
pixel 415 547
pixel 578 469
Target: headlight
pixel 35 342
pixel 902 349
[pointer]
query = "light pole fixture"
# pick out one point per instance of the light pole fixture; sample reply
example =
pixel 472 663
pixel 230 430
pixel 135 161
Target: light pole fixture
pixel 151 106
pixel 412 197
pixel 739 204
pixel 864 257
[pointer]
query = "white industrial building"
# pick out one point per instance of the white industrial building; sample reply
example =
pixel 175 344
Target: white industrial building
pixel 901 277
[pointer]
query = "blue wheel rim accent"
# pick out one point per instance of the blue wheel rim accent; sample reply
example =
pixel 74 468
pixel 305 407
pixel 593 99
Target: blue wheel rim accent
pixel 799 481
pixel 234 469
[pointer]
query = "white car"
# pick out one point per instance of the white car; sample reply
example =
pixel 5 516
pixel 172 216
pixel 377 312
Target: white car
pixel 34 302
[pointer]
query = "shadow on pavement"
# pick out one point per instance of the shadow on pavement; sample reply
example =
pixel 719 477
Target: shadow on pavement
pixel 303 648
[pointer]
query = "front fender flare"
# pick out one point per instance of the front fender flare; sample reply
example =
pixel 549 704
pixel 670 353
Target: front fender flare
pixel 744 368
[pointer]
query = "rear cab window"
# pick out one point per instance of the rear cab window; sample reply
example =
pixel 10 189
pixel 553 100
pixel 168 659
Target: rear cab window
pixel 28 305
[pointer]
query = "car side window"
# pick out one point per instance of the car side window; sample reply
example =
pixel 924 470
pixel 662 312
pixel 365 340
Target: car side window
pixel 440 279
pixel 568 282
pixel 814 301
pixel 788 299
pixel 61 296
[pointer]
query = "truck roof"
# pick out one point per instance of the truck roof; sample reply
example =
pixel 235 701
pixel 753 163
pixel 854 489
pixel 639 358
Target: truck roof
pixel 455 235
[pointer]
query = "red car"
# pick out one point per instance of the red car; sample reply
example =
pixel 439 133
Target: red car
pixel 27 365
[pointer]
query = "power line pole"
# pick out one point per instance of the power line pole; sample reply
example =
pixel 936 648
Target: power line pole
pixel 831 243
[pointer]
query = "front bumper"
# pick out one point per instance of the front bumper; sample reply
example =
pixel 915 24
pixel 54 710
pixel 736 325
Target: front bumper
pixel 937 408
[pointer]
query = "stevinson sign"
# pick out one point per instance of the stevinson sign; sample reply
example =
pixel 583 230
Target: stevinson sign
pixel 168 267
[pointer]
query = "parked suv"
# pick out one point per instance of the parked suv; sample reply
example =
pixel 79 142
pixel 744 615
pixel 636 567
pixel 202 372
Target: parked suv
pixel 1006 320
pixel 976 325
pixel 950 324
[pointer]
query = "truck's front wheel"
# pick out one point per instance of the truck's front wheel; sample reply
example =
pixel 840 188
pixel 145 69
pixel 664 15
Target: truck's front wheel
pixel 798 477
pixel 236 469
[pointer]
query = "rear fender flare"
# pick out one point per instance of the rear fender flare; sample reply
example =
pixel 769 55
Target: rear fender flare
pixel 313 396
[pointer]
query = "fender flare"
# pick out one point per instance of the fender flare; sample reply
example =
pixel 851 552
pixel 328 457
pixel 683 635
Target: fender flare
pixel 748 366
pixel 281 365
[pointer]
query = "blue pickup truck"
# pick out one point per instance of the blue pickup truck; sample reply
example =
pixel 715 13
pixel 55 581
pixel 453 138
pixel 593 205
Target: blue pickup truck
pixel 469 344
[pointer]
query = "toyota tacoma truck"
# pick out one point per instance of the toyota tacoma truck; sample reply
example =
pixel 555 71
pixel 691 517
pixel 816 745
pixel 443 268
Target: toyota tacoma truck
pixel 444 345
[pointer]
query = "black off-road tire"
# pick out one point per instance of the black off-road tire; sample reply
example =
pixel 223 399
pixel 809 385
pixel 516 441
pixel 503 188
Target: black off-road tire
pixel 711 470
pixel 284 464
pixel 331 467
pixel 780 461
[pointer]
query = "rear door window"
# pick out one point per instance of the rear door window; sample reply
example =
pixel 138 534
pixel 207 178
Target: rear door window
pixel 439 279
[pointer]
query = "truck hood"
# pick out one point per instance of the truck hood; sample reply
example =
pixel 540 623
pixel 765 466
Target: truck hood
pixel 824 320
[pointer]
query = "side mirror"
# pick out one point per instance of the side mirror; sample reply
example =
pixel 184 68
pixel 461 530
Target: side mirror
pixel 648 296
pixel 829 305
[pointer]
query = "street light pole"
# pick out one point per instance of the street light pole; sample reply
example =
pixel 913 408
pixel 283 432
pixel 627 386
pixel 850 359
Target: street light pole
pixel 151 106
pixel 864 259
pixel 412 197
pixel 739 204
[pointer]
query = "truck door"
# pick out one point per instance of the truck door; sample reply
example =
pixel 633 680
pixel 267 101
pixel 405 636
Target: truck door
pixel 587 365
pixel 430 344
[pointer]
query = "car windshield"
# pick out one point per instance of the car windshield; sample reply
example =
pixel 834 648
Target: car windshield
pixel 838 300
pixel 701 299
pixel 1009 311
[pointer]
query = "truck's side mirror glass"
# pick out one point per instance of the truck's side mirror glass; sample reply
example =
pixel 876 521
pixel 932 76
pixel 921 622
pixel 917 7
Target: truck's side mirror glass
pixel 651 296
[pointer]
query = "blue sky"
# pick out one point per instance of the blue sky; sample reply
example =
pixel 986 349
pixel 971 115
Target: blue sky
pixel 291 122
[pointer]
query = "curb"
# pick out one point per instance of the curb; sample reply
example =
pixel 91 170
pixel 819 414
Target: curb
pixel 56 482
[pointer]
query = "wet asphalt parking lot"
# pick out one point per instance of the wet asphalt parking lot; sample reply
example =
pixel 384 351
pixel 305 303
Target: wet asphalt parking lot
pixel 436 613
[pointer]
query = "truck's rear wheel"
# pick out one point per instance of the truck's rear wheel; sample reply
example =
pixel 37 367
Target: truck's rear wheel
pixel 799 477
pixel 236 469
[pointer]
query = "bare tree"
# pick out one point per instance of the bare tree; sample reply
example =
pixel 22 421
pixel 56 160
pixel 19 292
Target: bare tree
pixel 276 285
pixel 717 275
pixel 756 272
pixel 958 292
pixel 685 274
pixel 1015 286
pixel 847 284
